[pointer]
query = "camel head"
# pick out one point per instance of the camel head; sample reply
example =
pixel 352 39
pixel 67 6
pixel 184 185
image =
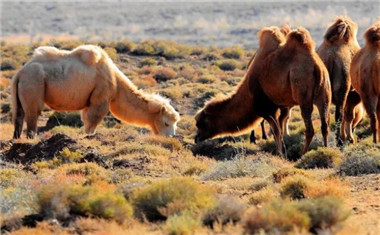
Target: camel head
pixel 372 35
pixel 343 30
pixel 165 117
pixel 300 37
pixel 271 37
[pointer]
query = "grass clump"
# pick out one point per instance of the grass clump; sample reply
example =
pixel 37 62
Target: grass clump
pixel 184 224
pixel 228 65
pixel 147 62
pixel 100 200
pixel 124 46
pixel 294 187
pixel 91 171
pixel 283 216
pixel 72 119
pixel 323 157
pixel 235 52
pixel 9 176
pixel 174 196
pixel 285 172
pixel 163 74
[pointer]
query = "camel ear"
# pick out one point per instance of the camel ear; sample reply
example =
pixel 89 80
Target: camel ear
pixel 154 107
pixel 285 29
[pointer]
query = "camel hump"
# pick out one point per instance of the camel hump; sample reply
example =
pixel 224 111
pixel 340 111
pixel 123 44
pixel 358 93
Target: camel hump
pixel 372 35
pixel 343 28
pixel 88 54
pixel 45 51
pixel 285 29
pixel 300 37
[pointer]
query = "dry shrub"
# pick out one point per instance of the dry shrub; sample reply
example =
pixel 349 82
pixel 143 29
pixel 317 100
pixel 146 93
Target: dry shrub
pixel 145 48
pixel 323 157
pixel 282 216
pixel 174 196
pixel 228 65
pixel 281 174
pixel 91 171
pixel 100 200
pixel 42 228
pixel 72 119
pixel 235 52
pixel 184 224
pixel 124 46
pixel 111 53
pixel 9 64
pixel 198 50
pixel 163 74
pixel 9 176
pixel 169 143
pixel 147 62
pixel 265 195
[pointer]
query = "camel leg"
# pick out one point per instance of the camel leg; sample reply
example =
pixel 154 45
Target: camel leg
pixel 338 121
pixel 277 135
pixel 325 119
pixel 284 119
pixel 263 133
pixel 18 121
pixel 306 115
pixel 93 115
pixel 252 137
pixel 370 105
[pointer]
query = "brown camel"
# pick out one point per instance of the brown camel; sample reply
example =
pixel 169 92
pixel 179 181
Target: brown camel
pixel 353 114
pixel 365 75
pixel 295 75
pixel 84 79
pixel 336 51
pixel 247 106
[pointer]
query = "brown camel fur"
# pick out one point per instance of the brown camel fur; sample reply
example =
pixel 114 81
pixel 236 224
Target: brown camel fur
pixel 84 79
pixel 246 107
pixel 336 51
pixel 295 75
pixel 353 114
pixel 365 75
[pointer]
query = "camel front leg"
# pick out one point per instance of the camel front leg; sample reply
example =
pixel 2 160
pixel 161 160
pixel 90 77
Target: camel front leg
pixel 283 119
pixel 93 115
pixel 306 112
pixel 370 105
pixel 277 133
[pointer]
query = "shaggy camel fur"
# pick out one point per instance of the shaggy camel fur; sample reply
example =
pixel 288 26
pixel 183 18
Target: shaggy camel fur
pixel 295 75
pixel 336 51
pixel 84 79
pixel 365 75
pixel 353 114
pixel 248 105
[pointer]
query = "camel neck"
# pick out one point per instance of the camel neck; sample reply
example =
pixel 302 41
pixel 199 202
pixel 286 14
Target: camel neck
pixel 130 104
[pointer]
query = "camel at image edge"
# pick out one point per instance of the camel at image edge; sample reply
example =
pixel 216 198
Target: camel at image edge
pixel 336 51
pixel 365 75
pixel 253 100
pixel 84 79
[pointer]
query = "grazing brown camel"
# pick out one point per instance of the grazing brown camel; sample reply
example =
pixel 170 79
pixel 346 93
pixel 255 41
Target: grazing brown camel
pixel 336 51
pixel 247 106
pixel 84 79
pixel 365 75
pixel 295 75
pixel 353 114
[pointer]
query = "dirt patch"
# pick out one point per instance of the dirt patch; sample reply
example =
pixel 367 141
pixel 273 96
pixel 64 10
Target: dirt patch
pixel 47 149
pixel 218 149
pixel 137 164
pixel 365 202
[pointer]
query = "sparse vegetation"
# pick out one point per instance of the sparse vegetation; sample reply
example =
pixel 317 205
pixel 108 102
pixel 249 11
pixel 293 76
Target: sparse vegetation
pixel 320 158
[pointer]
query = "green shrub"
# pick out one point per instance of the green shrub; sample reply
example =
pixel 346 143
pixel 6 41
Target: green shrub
pixel 124 46
pixel 172 50
pixel 321 158
pixel 184 224
pixel 147 62
pixel 235 52
pixel 71 156
pixel 9 176
pixel 294 187
pixel 228 65
pixel 61 200
pixel 168 197
pixel 145 48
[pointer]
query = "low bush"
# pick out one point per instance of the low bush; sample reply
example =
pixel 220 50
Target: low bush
pixel 184 224
pixel 9 176
pixel 235 52
pixel 321 158
pixel 282 216
pixel 145 48
pixel 8 64
pixel 263 196
pixel 164 198
pixel 147 62
pixel 91 171
pixel 100 200
pixel 124 46
pixel 111 53
pixel 163 74
pixel 72 119
pixel 285 172
pixel 228 65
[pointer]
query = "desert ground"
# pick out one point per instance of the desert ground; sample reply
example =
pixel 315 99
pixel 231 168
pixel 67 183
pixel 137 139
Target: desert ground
pixel 126 180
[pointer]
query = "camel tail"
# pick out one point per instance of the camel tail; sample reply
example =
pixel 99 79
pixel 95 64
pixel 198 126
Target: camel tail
pixel 17 110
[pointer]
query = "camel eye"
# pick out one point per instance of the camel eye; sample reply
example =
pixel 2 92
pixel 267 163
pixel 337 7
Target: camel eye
pixel 166 124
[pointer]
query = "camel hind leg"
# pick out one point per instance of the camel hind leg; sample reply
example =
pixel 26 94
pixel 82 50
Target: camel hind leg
pixel 352 115
pixel 370 105
pixel 31 94
pixel 18 120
